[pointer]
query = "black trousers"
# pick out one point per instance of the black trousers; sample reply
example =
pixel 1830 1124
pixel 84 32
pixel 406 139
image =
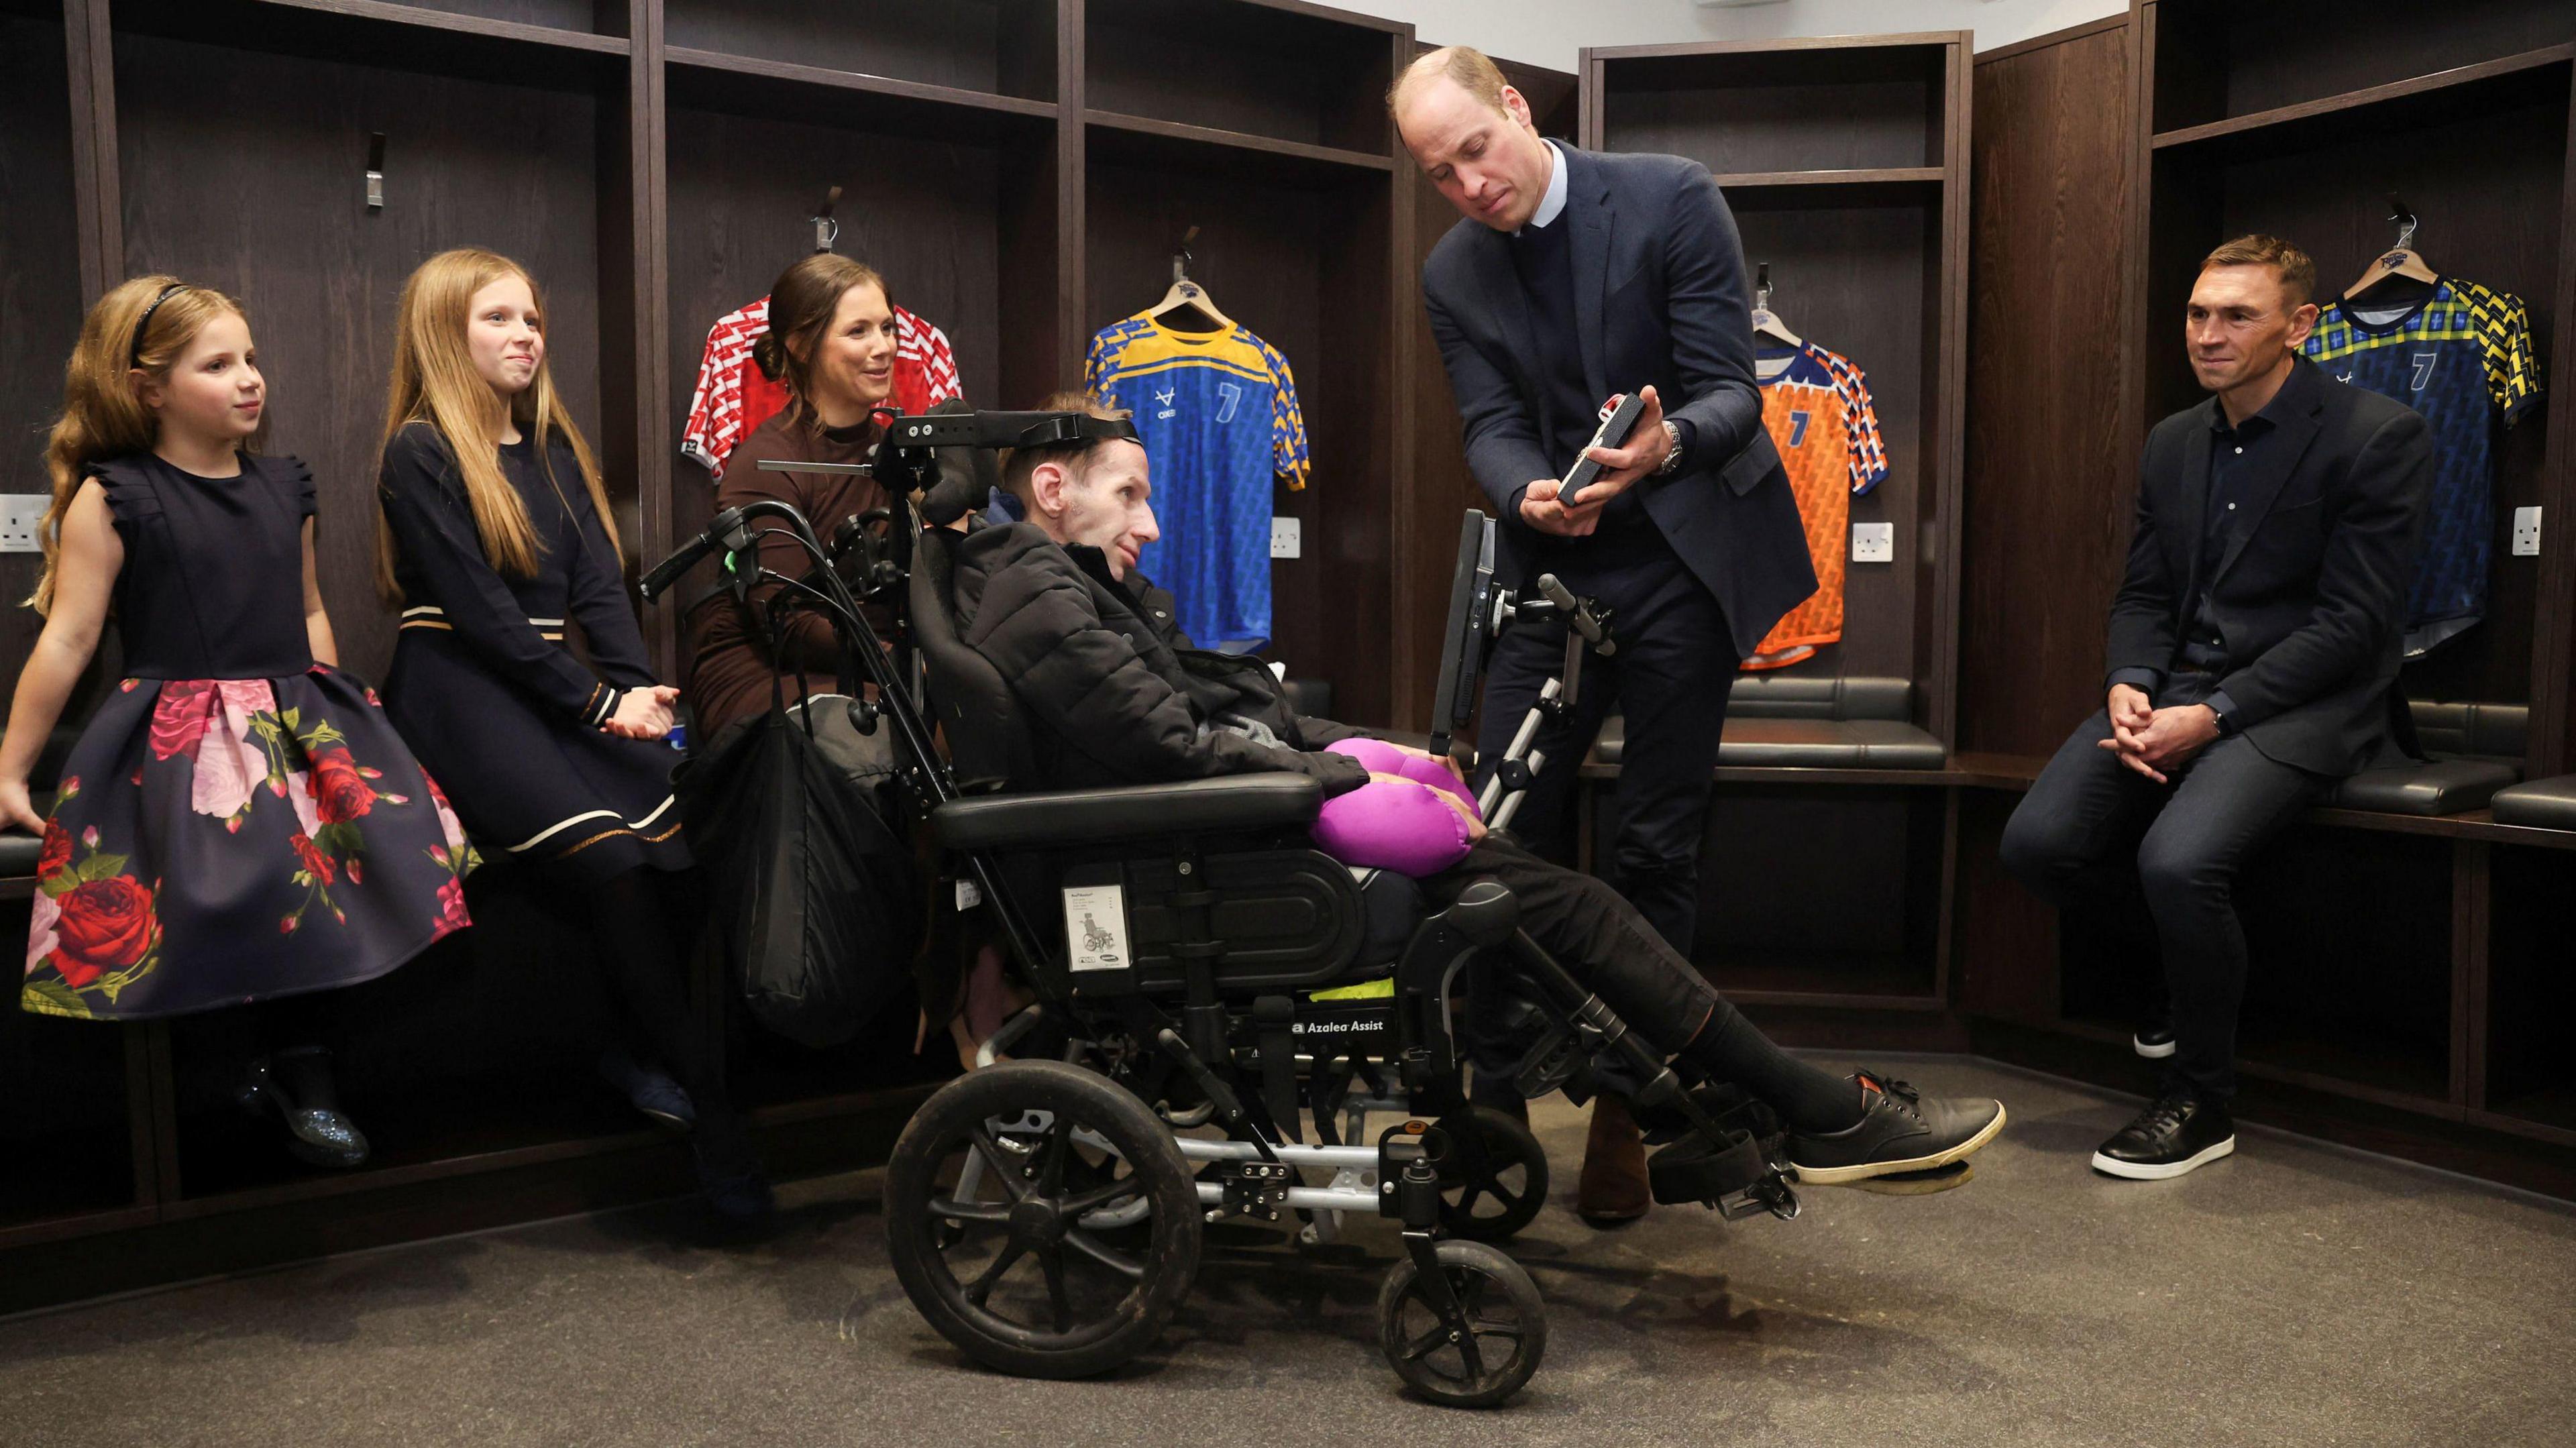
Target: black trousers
pixel 1671 676
pixel 1600 939
pixel 2089 818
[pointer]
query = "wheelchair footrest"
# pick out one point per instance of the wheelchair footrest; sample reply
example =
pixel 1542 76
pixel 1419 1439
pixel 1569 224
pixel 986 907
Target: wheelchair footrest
pixel 1730 1171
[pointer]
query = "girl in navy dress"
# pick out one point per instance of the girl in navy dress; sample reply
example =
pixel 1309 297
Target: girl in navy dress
pixel 495 536
pixel 239 822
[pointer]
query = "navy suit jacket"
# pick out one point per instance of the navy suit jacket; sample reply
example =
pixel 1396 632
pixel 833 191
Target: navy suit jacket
pixel 2310 592
pixel 1659 299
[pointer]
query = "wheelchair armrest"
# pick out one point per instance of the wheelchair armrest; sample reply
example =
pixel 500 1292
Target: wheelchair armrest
pixel 1091 816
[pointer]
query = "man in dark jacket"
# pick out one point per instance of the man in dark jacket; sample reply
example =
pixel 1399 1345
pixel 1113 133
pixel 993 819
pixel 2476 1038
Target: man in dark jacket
pixel 1570 275
pixel 2253 646
pixel 1116 694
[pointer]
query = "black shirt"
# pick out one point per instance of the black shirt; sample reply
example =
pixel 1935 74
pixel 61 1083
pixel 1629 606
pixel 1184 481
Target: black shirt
pixel 2236 453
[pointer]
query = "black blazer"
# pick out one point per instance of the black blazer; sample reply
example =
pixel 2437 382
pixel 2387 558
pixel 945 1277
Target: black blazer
pixel 2310 590
pixel 1660 299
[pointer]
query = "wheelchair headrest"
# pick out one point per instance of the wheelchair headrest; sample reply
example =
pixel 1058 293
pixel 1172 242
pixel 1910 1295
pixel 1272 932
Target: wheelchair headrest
pixel 988 739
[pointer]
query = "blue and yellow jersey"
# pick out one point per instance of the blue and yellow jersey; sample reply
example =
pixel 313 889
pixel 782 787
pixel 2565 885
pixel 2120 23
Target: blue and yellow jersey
pixel 2463 360
pixel 1217 412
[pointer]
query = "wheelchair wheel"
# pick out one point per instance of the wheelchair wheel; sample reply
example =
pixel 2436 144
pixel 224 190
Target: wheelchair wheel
pixel 1504 1338
pixel 1493 1185
pixel 1000 1202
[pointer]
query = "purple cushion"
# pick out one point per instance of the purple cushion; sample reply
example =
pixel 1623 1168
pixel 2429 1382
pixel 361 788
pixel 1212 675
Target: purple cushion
pixel 1401 825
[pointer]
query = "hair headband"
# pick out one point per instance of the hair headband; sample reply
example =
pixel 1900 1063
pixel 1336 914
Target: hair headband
pixel 134 355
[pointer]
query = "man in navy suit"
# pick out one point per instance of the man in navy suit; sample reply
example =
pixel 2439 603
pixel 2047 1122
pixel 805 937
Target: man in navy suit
pixel 2253 656
pixel 1574 276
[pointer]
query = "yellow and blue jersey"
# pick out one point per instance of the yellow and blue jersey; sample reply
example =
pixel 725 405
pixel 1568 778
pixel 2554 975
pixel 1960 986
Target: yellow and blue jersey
pixel 1217 413
pixel 2462 359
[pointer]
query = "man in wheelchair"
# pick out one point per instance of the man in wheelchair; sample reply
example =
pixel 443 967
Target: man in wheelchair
pixel 1114 695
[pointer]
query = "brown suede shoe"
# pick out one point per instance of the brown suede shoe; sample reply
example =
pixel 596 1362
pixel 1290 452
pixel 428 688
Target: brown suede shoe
pixel 1613 1189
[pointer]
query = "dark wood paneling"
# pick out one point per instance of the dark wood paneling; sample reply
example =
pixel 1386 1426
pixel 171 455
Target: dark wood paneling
pixel 1259 69
pixel 1001 46
pixel 69 1152
pixel 2529 990
pixel 2050 478
pixel 2234 59
pixel 41 299
pixel 270 207
pixel 1786 111
pixel 559 14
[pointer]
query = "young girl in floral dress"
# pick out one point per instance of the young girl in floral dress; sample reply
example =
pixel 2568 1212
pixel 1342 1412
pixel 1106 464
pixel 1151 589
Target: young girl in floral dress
pixel 239 822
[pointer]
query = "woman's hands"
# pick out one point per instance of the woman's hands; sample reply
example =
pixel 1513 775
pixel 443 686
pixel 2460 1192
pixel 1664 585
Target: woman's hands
pixel 643 713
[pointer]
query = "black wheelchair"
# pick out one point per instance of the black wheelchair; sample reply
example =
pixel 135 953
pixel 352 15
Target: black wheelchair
pixel 1209 986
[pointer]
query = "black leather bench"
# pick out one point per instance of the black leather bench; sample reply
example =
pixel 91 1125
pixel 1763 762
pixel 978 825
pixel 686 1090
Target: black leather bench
pixel 2548 804
pixel 2475 750
pixel 1779 721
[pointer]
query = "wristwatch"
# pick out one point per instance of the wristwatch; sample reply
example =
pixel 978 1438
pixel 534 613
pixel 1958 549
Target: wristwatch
pixel 1672 462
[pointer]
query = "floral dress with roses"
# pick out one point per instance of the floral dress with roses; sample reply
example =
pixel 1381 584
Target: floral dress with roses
pixel 237 822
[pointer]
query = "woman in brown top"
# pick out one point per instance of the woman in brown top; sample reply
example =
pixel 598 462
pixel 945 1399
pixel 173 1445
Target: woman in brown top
pixel 831 340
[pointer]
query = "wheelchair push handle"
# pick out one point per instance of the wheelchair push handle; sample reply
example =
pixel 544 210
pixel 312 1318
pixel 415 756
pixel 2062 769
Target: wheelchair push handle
pixel 670 570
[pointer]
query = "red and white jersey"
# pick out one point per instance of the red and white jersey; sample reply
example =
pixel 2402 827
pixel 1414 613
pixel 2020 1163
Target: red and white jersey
pixel 734 396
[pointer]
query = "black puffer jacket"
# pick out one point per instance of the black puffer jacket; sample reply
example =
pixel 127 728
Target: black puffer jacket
pixel 1116 693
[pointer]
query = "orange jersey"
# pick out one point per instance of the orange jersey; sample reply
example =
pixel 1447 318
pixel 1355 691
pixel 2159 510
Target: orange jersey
pixel 1817 411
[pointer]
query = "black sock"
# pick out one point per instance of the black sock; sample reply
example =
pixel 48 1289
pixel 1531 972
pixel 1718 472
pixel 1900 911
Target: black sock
pixel 1730 1048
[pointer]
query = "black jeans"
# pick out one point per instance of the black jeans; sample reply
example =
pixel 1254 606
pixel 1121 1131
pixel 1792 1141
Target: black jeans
pixel 1671 677
pixel 2089 817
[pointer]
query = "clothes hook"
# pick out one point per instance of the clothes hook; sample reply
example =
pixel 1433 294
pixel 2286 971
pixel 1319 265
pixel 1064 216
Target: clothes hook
pixel 2405 219
pixel 1762 287
pixel 827 231
pixel 1181 256
pixel 376 171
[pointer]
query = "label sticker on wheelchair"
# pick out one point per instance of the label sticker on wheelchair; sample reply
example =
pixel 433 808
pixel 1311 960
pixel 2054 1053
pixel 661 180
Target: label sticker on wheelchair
pixel 1095 926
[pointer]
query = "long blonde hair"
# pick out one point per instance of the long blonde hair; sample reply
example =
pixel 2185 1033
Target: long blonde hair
pixel 434 381
pixel 103 413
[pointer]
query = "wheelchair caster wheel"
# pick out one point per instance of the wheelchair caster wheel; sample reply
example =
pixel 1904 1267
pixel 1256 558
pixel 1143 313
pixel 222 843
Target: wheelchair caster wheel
pixel 1068 1238
pixel 1494 1184
pixel 1490 1354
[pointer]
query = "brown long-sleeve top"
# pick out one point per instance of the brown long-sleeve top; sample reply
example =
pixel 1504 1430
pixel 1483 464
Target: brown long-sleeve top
pixel 729 678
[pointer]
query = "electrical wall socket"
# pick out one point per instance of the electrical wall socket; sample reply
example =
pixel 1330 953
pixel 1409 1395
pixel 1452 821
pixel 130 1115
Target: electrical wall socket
pixel 1873 542
pixel 2526 532
pixel 20 515
pixel 1287 537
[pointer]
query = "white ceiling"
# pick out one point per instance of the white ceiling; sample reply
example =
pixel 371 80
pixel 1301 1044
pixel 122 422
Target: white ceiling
pixel 1553 32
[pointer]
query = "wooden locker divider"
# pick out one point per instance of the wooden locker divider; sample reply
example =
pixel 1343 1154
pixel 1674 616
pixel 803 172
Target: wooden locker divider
pixel 1845 161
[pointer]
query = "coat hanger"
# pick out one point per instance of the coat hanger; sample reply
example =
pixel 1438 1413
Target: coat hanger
pixel 1187 305
pixel 2398 261
pixel 1766 322
pixel 827 231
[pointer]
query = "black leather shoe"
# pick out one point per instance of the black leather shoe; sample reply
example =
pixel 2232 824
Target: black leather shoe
pixel 2154 1038
pixel 651 1092
pixel 316 1132
pixel 2179 1133
pixel 729 1176
pixel 1899 1131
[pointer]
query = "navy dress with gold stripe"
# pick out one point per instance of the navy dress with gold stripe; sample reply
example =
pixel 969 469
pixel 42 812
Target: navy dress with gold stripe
pixel 487 691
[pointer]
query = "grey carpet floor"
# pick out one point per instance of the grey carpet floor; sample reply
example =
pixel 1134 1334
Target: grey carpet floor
pixel 2292 1295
